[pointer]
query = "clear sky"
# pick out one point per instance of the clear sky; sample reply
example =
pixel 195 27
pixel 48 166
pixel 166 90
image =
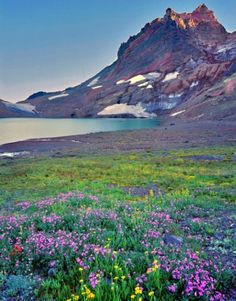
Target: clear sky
pixel 53 44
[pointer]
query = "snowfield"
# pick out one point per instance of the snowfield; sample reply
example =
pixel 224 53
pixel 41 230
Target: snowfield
pixel 139 78
pixel 175 95
pixel 96 87
pixel 170 76
pixel 177 113
pixel 25 107
pixel 119 109
pixel 58 96
pixel 14 154
pixel 93 82
pixel 194 84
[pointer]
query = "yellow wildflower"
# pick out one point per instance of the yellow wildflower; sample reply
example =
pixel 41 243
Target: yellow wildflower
pixel 138 290
pixel 151 294
pixel 81 269
pixel 151 193
pixel 91 296
pixel 155 267
pixel 116 267
pixel 123 277
pixel 132 297
pixel 116 278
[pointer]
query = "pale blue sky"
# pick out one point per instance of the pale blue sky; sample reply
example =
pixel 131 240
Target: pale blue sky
pixel 53 44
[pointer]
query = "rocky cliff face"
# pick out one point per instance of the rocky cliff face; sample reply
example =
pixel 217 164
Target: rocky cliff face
pixel 182 65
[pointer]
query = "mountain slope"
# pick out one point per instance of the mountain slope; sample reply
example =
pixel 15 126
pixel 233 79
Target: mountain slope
pixel 181 65
pixel 8 109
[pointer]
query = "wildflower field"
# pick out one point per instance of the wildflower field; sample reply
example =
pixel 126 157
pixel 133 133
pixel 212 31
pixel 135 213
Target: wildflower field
pixel 146 226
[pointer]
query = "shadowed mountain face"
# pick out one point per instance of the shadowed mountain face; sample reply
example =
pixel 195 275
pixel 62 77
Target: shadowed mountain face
pixel 182 65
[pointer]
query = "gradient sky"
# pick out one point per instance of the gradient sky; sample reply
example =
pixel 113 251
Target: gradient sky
pixel 53 44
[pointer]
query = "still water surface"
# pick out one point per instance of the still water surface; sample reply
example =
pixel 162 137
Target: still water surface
pixel 16 129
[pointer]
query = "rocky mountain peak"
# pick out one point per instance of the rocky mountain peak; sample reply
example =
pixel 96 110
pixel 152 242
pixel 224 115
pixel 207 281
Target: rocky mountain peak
pixel 202 20
pixel 177 62
pixel 170 13
pixel 203 13
pixel 202 7
pixel 172 18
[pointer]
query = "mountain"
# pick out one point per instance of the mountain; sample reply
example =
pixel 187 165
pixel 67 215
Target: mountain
pixel 8 109
pixel 181 66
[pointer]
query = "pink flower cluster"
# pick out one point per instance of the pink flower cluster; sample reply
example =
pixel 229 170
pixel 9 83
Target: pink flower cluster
pixel 51 219
pixel 46 243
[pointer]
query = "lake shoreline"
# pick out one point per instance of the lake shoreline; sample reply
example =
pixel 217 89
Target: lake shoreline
pixel 19 129
pixel 166 137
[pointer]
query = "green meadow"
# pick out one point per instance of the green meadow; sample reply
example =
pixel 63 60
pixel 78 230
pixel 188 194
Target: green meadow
pixel 175 173
pixel 130 226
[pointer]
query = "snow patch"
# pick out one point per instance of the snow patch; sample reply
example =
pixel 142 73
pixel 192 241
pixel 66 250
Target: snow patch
pixel 170 76
pixel 199 116
pixel 194 84
pixel 138 78
pixel 223 49
pixel 149 87
pixel 93 82
pixel 58 96
pixel 14 154
pixel 144 84
pixel 118 109
pixel 152 75
pixel 132 80
pixel 24 107
pixel 177 113
pixel 97 87
pixel 122 81
pixel 75 141
pixel 175 95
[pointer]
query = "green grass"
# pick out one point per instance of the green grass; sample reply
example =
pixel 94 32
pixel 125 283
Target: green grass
pixel 173 174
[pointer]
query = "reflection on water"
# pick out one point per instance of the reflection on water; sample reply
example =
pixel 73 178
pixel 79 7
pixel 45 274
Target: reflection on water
pixel 16 129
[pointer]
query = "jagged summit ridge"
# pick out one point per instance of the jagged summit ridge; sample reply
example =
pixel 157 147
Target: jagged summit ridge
pixel 202 7
pixel 178 65
pixel 200 17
